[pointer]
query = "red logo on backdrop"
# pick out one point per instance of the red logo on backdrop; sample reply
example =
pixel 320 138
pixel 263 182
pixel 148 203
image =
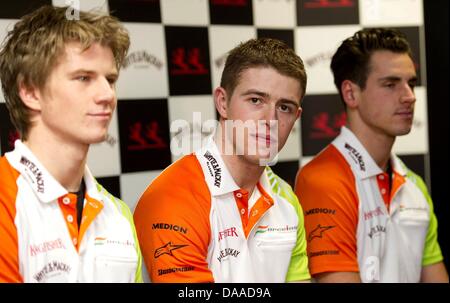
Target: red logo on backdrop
pixel 12 137
pixel 324 128
pixel 187 62
pixel 230 2
pixel 328 3
pixel 147 138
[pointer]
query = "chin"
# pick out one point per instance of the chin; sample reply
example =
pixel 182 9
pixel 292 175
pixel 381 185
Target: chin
pixel 96 138
pixel 403 132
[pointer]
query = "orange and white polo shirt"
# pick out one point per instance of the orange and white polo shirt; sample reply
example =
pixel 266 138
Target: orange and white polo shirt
pixel 195 224
pixel 356 223
pixel 40 238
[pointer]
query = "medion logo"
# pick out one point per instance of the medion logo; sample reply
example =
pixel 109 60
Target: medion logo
pixel 215 166
pixel 356 156
pixel 325 211
pixel 35 171
pixel 176 228
pixel 142 57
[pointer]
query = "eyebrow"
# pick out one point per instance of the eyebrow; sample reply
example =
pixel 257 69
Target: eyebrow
pixel 397 79
pixel 266 95
pixel 87 71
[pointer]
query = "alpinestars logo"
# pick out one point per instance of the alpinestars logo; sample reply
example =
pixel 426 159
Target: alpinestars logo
pixel 356 156
pixel 214 168
pixel 167 249
pixel 318 232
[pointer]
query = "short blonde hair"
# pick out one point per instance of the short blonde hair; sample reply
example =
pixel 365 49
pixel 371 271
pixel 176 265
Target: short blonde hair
pixel 33 47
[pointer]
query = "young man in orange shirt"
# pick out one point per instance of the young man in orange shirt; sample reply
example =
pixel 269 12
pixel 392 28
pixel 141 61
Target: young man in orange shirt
pixel 221 214
pixel 368 217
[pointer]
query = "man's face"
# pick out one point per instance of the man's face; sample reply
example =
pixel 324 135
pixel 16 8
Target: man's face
pixel 269 103
pixel 79 97
pixel 386 105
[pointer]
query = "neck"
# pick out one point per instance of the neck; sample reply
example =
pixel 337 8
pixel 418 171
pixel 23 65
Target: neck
pixel 64 160
pixel 377 144
pixel 245 173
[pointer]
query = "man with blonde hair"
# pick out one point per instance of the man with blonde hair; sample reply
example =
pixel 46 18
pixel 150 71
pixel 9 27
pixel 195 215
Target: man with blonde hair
pixel 57 224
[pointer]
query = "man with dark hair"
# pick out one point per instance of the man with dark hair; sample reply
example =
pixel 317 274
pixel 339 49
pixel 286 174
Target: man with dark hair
pixel 221 214
pixel 368 217
pixel 57 224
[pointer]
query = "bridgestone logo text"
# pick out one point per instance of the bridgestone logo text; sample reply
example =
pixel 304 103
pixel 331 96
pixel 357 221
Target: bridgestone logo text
pixel 323 253
pixel 174 270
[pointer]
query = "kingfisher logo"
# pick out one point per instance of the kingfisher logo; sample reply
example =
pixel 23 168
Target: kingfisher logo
pixel 229 232
pixel 373 213
pixel 44 247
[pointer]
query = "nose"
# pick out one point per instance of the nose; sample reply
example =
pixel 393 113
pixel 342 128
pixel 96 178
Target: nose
pixel 408 95
pixel 106 91
pixel 270 114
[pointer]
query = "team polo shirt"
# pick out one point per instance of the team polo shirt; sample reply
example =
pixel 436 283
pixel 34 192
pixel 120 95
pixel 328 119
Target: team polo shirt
pixel 195 224
pixel 40 237
pixel 356 223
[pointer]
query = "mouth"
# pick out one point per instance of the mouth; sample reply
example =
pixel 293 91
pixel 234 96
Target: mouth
pixel 101 115
pixel 405 113
pixel 267 139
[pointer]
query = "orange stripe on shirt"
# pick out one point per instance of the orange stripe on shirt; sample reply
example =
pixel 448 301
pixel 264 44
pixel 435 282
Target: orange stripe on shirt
pixel 9 253
pixel 172 224
pixel 327 192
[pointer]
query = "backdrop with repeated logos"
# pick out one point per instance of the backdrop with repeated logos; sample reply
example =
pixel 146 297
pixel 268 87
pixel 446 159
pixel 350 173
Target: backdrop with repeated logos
pixel 177 54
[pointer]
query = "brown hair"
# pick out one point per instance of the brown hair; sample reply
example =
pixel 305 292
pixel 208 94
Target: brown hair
pixel 33 47
pixel 264 52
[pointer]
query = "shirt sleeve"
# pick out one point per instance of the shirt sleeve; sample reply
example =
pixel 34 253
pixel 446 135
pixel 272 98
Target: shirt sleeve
pixel 432 252
pixel 298 268
pixel 172 223
pixel 328 197
pixel 9 260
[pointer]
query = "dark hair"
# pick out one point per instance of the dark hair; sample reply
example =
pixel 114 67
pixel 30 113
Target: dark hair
pixel 351 60
pixel 265 52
